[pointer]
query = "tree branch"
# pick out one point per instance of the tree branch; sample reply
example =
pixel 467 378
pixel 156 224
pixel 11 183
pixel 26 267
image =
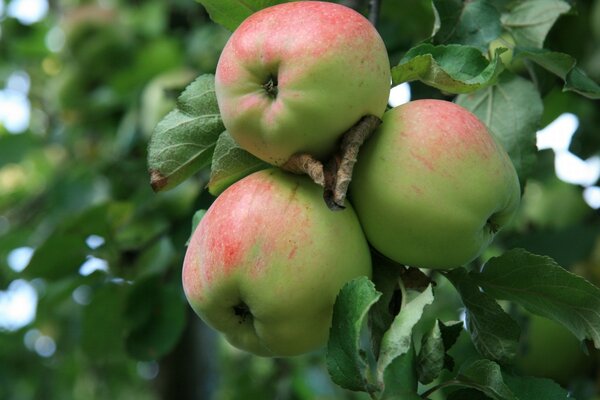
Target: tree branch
pixel 374 7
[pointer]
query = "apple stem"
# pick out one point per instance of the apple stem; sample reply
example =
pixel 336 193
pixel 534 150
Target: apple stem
pixel 306 164
pixel 343 163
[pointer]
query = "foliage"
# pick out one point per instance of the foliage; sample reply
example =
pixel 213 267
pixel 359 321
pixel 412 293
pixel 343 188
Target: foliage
pixel 80 172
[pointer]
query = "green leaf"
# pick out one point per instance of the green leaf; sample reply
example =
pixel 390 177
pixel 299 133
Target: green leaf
pixel 471 394
pixel 57 257
pixel 494 333
pixel 231 163
pixel 198 215
pixel 103 323
pixel 231 13
pixel 544 288
pixel 473 23
pixel 486 376
pixel 386 275
pixel 512 110
pixel 564 66
pixel 345 359
pixel 529 387
pixel 530 21
pixel 450 334
pixel 156 317
pixel 400 378
pixel 398 339
pixel 184 141
pixel 451 68
pixel 430 361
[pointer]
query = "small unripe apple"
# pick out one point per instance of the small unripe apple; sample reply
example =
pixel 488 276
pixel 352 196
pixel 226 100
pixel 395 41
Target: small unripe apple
pixel 294 77
pixel 549 350
pixel 432 186
pixel 267 260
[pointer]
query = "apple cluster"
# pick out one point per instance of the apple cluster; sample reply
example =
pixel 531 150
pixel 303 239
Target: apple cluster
pixel 430 188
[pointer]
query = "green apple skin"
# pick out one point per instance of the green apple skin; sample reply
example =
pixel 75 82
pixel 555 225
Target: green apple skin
pixel 267 260
pixel 549 350
pixel 432 186
pixel 327 68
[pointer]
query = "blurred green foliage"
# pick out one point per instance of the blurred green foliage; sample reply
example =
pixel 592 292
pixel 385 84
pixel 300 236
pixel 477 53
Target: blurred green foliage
pixel 102 74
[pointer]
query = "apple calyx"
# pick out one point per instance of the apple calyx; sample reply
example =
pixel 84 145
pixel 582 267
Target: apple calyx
pixel 335 175
pixel 242 311
pixel 270 86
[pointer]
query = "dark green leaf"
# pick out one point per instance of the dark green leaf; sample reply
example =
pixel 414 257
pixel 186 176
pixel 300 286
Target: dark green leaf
pixel 385 276
pixel 345 362
pixel 530 21
pixel 156 317
pixel 494 333
pixel 473 23
pixel 230 163
pixel 451 68
pixel 430 361
pixel 57 257
pixel 512 110
pixel 544 288
pixel 529 387
pixel 103 323
pixel 231 13
pixel 450 334
pixel 398 339
pixel 470 394
pixel 486 376
pixel 564 66
pixel 184 141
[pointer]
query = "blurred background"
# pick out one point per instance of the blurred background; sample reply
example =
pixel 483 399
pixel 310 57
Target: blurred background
pixel 91 305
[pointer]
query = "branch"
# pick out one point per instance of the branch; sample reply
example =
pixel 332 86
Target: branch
pixel 374 7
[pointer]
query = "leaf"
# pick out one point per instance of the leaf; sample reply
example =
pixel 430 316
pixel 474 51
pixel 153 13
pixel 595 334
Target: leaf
pixel 564 66
pixel 400 378
pixel 430 361
pixel 198 215
pixel 450 334
pixel 397 340
pixel 57 257
pixel 450 68
pixel 386 275
pixel 529 387
pixel 494 333
pixel 103 323
pixel 156 317
pixel 473 23
pixel 530 21
pixel 231 163
pixel 512 110
pixel 183 141
pixel 544 288
pixel 231 13
pixel 485 376
pixel 345 360
pixel 471 394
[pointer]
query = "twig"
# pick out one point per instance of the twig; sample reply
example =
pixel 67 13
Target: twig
pixel 374 7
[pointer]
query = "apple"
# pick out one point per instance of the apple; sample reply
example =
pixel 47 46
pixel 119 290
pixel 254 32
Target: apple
pixel 267 260
pixel 507 41
pixel 549 350
pixel 432 186
pixel 294 77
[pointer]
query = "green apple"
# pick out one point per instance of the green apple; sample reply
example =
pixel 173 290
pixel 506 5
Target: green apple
pixel 267 260
pixel 432 186
pixel 507 41
pixel 549 350
pixel 294 77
